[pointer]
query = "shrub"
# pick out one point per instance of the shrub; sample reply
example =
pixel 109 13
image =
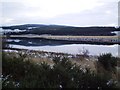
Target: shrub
pixel 108 61
pixel 18 73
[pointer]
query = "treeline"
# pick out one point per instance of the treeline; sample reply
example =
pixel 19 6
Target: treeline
pixel 19 72
pixel 62 30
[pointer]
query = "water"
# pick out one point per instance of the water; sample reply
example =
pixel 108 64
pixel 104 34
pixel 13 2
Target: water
pixel 116 32
pixel 74 48
pixel 60 46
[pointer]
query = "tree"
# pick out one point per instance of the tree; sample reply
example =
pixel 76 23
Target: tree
pixel 5 45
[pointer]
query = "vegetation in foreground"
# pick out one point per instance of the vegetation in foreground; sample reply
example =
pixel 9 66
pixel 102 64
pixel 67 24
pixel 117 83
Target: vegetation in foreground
pixel 19 72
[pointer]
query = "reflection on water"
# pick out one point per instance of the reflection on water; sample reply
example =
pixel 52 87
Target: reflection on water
pixel 74 48
pixel 116 32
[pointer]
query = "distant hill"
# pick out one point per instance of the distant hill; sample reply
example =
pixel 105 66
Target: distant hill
pixel 40 29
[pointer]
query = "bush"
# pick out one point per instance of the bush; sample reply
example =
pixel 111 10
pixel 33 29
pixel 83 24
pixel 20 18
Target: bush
pixel 18 73
pixel 108 61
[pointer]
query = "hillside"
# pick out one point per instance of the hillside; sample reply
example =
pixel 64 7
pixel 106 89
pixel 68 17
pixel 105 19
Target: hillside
pixel 40 29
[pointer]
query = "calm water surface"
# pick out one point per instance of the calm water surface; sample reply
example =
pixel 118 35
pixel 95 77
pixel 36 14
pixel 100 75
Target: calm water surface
pixel 74 48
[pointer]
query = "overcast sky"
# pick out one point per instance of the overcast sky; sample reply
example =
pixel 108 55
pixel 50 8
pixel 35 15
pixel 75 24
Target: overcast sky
pixel 61 12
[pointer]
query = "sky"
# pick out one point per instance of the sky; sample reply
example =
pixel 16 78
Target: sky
pixel 59 12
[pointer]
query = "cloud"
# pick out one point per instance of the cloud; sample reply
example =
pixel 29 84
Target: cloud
pixel 69 12
pixel 52 8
